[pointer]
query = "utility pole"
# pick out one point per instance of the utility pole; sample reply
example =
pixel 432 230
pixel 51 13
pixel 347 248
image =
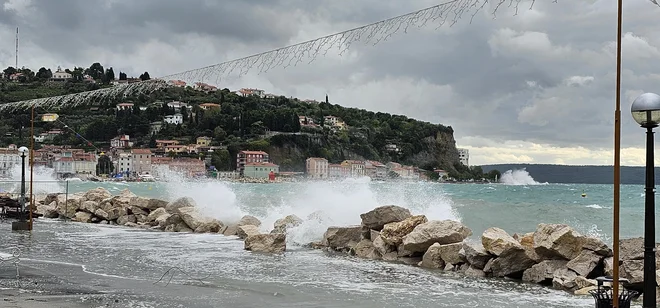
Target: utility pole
pixel 16 49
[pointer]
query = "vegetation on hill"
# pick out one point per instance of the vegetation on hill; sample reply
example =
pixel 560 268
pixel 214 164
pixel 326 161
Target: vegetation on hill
pixel 241 123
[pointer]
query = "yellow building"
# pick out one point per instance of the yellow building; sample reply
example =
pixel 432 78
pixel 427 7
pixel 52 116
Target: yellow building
pixel 204 141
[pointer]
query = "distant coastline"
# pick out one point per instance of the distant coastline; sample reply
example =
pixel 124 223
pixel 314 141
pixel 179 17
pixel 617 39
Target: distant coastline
pixel 571 174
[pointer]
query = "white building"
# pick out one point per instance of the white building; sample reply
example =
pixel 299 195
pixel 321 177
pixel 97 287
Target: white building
pixel 317 168
pixel 464 156
pixel 177 105
pixel 61 75
pixel 174 119
pixel 123 163
pixel 9 157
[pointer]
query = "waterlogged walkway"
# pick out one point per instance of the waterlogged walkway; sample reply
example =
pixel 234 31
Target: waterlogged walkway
pixel 119 267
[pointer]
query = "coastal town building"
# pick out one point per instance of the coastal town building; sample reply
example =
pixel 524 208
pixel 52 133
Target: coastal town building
pixel 124 106
pixel 204 141
pixel 9 157
pixel 60 75
pixel 205 87
pixel 375 169
pixel 334 123
pixel 190 167
pixel 248 92
pixel 121 141
pixel 464 156
pixel 123 163
pixel 161 144
pixel 338 171
pixel 209 106
pixel 84 163
pixel 260 170
pixel 177 105
pixel 356 168
pixel 174 119
pixel 177 83
pixel 317 168
pixel 141 160
pixel 247 157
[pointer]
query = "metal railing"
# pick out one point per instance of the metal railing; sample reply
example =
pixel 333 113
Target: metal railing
pixel 10 191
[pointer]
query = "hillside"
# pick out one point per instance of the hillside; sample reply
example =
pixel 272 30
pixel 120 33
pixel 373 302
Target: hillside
pixel 577 174
pixel 240 123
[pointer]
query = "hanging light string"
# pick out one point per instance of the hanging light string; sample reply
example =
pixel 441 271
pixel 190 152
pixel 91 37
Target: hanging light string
pixel 449 12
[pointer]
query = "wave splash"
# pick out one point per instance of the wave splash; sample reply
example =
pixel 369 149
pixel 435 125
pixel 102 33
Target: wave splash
pixel 518 177
pixel 319 204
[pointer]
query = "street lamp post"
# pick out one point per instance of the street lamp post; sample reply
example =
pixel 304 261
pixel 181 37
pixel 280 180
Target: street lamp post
pixel 646 111
pixel 22 224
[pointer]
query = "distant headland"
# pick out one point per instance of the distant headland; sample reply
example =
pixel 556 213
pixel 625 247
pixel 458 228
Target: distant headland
pixel 571 174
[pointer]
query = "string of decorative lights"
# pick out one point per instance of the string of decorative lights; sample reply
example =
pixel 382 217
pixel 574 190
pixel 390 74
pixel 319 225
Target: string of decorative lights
pixel 374 33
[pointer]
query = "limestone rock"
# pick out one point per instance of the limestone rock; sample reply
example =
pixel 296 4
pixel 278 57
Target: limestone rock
pixel 378 217
pixel 382 247
pixel 267 243
pixel 149 204
pixel 366 250
pixel 342 237
pixel 582 282
pixel 283 224
pixel 608 264
pixel 48 211
pixel 156 213
pixel 433 258
pixel 83 217
pixel 584 263
pixel 394 232
pixel 597 245
pixel 89 206
pixel 230 230
pixel 633 270
pixel 450 253
pixel 527 240
pixel 544 271
pixel 67 206
pixel 564 279
pixel 552 241
pixel 585 290
pixel 475 254
pixel 126 218
pixel 244 232
pixel 474 272
pixel 249 220
pixel 97 194
pixel 123 199
pixel 193 218
pixel 511 262
pixel 496 241
pixel 179 203
pixel 436 231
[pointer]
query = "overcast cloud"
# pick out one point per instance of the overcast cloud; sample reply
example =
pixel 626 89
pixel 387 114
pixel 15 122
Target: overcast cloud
pixel 536 87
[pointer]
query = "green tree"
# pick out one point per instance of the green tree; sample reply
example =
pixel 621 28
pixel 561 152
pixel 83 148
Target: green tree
pixel 44 74
pixel 104 165
pixel 122 76
pixel 145 76
pixel 9 71
pixel 221 160
pixel 109 76
pixel 95 71
pixel 219 134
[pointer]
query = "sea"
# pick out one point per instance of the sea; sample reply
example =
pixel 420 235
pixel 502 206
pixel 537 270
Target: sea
pixel 159 269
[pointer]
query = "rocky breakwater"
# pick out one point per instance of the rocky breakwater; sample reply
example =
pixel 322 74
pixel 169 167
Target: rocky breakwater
pixel 181 215
pixel 554 255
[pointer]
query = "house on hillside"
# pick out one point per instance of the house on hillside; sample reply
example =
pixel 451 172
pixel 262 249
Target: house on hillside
pixel 209 106
pixel 61 75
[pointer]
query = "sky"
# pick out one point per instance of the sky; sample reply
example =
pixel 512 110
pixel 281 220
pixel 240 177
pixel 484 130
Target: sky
pixel 531 87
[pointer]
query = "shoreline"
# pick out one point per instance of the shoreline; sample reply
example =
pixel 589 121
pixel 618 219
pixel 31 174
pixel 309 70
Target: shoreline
pixel 497 258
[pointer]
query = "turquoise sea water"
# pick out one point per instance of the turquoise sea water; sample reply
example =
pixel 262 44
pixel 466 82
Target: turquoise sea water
pixel 309 278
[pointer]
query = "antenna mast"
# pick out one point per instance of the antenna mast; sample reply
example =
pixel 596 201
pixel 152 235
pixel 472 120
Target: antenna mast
pixel 16 48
